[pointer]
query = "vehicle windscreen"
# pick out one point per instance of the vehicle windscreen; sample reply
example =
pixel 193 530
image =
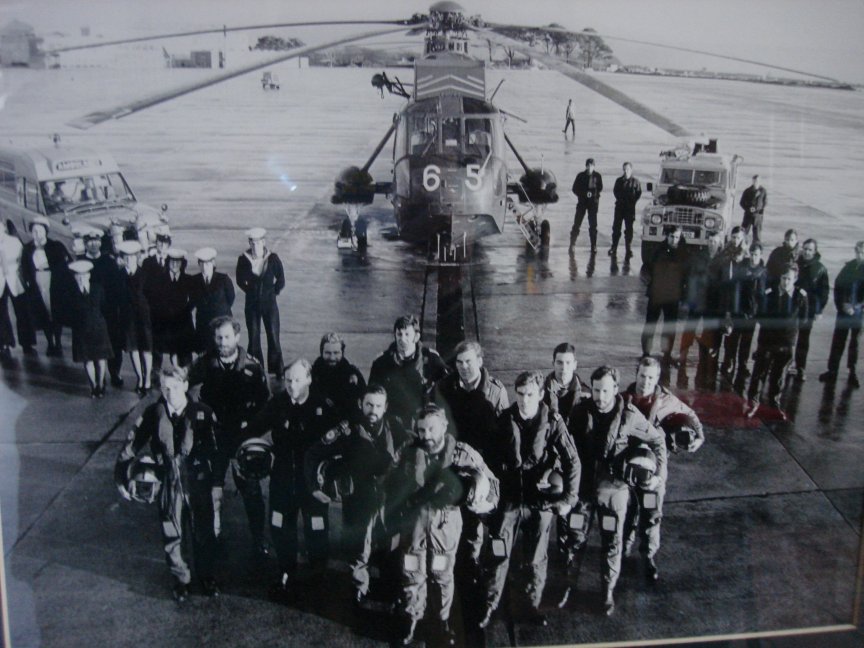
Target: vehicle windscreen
pixel 71 193
pixel 702 177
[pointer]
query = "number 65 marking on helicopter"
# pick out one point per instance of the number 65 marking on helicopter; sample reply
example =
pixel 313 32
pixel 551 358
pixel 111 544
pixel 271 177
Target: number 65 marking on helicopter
pixel 432 177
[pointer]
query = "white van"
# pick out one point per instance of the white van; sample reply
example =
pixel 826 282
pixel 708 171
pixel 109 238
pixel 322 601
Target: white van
pixel 73 187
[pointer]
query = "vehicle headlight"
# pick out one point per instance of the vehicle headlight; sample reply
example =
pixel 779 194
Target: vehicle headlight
pixel 656 219
pixel 710 222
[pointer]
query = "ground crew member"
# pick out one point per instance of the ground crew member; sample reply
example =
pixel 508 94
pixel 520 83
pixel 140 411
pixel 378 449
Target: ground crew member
pixel 408 370
pixel 754 300
pixel 11 287
pixel 666 277
pixel 731 281
pixel 235 385
pixel 781 257
pixel 562 388
pixel 90 341
pixel 849 301
pixel 297 419
pixel 369 444
pixel 423 496
pixel 133 310
pixel 657 404
pixel 627 192
pixel 785 308
pixel 570 118
pixel 335 379
pixel 45 274
pixel 813 280
pixel 212 295
pixel 531 442
pixel 171 310
pixel 587 187
pixel 107 274
pixel 603 426
pixel 180 434
pixel 260 275
pixel 753 201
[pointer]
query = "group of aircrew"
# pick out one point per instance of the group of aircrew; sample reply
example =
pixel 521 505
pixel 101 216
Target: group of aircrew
pixel 436 471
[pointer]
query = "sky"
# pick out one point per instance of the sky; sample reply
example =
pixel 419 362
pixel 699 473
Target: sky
pixel 823 38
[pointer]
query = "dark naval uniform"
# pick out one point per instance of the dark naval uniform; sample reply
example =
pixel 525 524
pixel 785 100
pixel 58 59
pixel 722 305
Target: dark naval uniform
pixel 236 391
pixel 90 340
pixel 210 300
pixel 171 312
pixel 261 292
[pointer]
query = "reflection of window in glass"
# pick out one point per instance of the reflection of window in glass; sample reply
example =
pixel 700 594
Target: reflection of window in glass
pixel 423 128
pixel 450 134
pixel 677 176
pixel 478 135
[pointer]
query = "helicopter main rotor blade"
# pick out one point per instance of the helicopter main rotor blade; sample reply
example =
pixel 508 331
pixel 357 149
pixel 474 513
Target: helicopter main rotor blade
pixel 677 48
pixel 99 116
pixel 201 32
pixel 623 100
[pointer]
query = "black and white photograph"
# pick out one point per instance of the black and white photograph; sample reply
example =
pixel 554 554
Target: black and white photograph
pixel 412 323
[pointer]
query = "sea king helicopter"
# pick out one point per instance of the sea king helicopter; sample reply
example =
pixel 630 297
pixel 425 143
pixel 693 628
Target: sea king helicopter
pixel 450 184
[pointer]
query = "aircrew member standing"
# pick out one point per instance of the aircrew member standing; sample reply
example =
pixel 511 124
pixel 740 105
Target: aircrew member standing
pixel 335 379
pixel 369 444
pixel 212 296
pixel 408 370
pixel 45 273
pixel 171 310
pixel 562 388
pixel 260 275
pixel 90 341
pixel 587 187
pixel 531 442
pixel 11 287
pixel 603 426
pixel 234 384
pixel 657 404
pixel 753 200
pixel 812 279
pixel 666 277
pixel 423 496
pixel 134 314
pixel 180 434
pixel 297 419
pixel 627 192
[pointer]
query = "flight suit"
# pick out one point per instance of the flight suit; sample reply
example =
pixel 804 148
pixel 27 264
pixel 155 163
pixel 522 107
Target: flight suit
pixel 295 428
pixel 409 383
pixel 342 385
pixel 236 392
pixel 423 495
pixel 587 188
pixel 369 454
pixel 526 451
pixel 627 192
pixel 599 439
pixel 185 447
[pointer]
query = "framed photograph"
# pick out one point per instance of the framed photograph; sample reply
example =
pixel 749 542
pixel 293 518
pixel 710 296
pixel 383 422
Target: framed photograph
pixel 568 188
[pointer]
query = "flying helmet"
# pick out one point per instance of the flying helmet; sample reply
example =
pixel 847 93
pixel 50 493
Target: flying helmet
pixel 480 493
pixel 679 432
pixel 637 465
pixel 255 458
pixel 143 480
pixel 552 482
pixel 333 478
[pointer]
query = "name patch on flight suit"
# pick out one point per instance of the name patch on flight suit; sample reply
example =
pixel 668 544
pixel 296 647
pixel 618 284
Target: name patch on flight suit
pixel 319 412
pixel 317 523
pixel 411 562
pixel 200 416
pixel 276 519
pixel 609 523
pixel 499 548
pixel 439 563
pixel 577 520
pixel 247 372
pixel 649 500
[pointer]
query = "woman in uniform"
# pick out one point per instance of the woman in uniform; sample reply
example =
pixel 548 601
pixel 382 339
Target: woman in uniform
pixel 134 315
pixel 90 341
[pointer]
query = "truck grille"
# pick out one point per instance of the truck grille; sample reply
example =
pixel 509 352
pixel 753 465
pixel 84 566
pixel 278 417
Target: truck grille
pixel 683 216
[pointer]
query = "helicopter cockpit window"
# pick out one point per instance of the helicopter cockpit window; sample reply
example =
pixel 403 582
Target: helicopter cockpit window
pixel 451 132
pixel 423 128
pixel 478 137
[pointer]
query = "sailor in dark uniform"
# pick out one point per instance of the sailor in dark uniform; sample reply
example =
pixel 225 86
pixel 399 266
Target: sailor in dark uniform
pixel 170 298
pixel 212 297
pixel 134 314
pixel 90 342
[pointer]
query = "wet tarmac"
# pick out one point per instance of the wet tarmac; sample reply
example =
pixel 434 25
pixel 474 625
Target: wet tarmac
pixel 762 526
